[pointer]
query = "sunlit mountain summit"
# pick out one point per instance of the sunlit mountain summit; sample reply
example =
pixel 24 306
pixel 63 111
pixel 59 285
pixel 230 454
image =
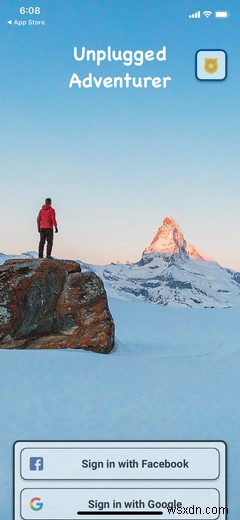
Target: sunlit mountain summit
pixel 169 240
pixel 172 272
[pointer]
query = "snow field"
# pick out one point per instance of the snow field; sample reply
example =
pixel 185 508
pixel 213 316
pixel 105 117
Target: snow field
pixel 173 375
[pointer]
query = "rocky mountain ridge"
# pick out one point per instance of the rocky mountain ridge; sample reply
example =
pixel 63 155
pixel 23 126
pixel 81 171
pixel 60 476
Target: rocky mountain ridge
pixel 172 272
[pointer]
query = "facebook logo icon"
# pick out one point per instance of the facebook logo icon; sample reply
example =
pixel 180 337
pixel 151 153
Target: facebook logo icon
pixel 36 463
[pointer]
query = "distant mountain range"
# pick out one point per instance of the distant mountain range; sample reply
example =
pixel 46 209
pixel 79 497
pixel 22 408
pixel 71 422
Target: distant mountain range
pixel 28 254
pixel 172 272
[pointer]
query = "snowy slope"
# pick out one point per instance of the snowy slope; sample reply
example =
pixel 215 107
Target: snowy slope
pixel 174 375
pixel 172 272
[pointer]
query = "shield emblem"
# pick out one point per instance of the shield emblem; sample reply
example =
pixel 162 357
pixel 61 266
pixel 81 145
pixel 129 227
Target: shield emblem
pixel 211 65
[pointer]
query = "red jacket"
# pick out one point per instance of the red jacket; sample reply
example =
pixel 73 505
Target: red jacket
pixel 46 217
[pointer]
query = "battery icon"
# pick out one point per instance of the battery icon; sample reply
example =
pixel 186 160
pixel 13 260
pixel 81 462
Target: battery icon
pixel 222 14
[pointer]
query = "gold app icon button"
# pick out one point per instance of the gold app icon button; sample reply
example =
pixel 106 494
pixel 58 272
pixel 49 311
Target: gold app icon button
pixel 211 65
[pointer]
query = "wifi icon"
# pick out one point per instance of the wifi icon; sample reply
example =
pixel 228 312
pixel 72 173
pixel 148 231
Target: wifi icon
pixel 207 14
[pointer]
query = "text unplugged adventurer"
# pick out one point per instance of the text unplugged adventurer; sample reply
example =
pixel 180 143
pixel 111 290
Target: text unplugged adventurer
pixel 127 58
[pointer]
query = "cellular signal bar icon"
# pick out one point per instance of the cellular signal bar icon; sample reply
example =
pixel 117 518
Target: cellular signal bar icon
pixel 195 15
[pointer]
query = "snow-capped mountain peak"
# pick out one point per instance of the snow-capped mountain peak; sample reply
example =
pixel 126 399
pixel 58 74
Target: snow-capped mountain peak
pixel 169 239
pixel 172 272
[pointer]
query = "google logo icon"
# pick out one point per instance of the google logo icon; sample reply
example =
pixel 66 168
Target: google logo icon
pixel 36 504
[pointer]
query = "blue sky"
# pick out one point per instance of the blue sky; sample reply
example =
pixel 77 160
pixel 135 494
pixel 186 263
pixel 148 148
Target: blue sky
pixel 116 162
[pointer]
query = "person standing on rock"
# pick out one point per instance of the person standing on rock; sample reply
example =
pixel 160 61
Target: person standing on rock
pixel 46 221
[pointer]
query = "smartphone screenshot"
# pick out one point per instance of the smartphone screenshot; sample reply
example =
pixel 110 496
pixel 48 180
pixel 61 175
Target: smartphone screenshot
pixel 120 259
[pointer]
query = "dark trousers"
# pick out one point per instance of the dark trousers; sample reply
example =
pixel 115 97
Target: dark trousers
pixel 46 234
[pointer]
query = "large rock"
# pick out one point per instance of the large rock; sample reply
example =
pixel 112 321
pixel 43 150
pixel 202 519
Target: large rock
pixel 48 304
